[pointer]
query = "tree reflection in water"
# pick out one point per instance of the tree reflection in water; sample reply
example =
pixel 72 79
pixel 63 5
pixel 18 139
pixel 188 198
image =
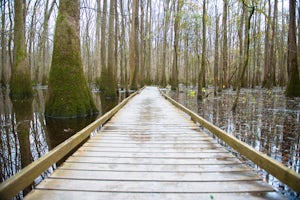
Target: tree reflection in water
pixel 26 135
pixel 265 119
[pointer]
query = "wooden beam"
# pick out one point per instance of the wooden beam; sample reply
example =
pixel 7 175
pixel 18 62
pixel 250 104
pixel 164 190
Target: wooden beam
pixel 13 185
pixel 272 166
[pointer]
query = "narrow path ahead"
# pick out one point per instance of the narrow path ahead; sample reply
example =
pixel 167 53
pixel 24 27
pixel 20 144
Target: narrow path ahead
pixel 151 150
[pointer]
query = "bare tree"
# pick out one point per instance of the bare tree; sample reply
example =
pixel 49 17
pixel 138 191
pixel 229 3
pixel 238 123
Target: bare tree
pixel 245 64
pixel 225 75
pixel 20 84
pixel 201 78
pixel 133 47
pixel 174 74
pixel 293 87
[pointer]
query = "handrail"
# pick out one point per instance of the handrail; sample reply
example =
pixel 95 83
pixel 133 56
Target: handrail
pixel 21 180
pixel 272 166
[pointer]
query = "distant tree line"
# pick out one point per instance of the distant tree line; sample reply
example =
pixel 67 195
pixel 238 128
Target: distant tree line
pixel 130 43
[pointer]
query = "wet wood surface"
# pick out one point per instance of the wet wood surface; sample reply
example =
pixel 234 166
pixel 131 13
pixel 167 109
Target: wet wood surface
pixel 151 150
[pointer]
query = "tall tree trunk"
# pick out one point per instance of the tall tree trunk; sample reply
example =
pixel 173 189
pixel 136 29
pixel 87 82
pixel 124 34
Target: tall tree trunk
pixel 186 58
pixel 43 57
pixel 298 8
pixel 225 80
pixel 116 43
pixel 97 57
pixel 133 59
pixel 293 87
pixel 3 73
pixel 259 53
pixel 266 81
pixel 111 87
pixel 10 38
pixel 20 84
pixel 31 45
pixel 149 41
pixel 164 50
pixel 103 78
pixel 123 81
pixel 273 51
pixel 216 57
pixel 174 75
pixel 282 53
pixel 68 94
pixel 241 46
pixel 142 45
pixel 254 53
pixel 201 78
pixel 245 64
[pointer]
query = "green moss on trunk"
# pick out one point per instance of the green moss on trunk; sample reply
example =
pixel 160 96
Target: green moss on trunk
pixel 68 93
pixel 20 84
pixel 293 87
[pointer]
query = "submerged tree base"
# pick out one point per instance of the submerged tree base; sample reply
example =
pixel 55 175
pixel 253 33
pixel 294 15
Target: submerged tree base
pixel 293 87
pixel 20 86
pixel 68 94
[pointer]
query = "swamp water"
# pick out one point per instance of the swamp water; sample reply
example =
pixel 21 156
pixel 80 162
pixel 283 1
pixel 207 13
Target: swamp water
pixel 26 135
pixel 264 119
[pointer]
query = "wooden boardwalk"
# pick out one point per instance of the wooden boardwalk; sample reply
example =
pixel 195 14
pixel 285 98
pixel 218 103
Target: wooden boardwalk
pixel 151 150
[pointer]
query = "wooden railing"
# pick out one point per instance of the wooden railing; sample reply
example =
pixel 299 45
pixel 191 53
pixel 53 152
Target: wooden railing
pixel 272 166
pixel 27 175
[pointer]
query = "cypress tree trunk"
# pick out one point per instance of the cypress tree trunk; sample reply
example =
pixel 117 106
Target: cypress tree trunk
pixel 174 75
pixel 20 84
pixel 247 46
pixel 166 27
pixel 293 87
pixel 68 94
pixel 133 47
pixel 111 86
pixel 225 79
pixel 201 78
pixel 216 57
pixel 103 77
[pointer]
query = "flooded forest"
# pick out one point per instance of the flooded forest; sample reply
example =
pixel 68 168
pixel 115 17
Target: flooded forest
pixel 66 63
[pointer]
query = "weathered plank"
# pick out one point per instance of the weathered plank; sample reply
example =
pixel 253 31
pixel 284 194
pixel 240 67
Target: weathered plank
pixel 87 195
pixel 150 150
pixel 150 155
pixel 156 161
pixel 157 168
pixel 145 145
pixel 153 150
pixel 155 186
pixel 155 176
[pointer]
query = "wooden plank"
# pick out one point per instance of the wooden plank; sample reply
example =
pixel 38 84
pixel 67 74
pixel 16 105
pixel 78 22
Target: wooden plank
pixel 153 137
pixel 88 195
pixel 145 145
pixel 155 176
pixel 154 186
pixel 148 167
pixel 150 155
pixel 153 150
pixel 150 141
pixel 170 161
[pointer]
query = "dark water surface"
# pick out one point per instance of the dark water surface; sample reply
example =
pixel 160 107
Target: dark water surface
pixel 265 119
pixel 26 134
